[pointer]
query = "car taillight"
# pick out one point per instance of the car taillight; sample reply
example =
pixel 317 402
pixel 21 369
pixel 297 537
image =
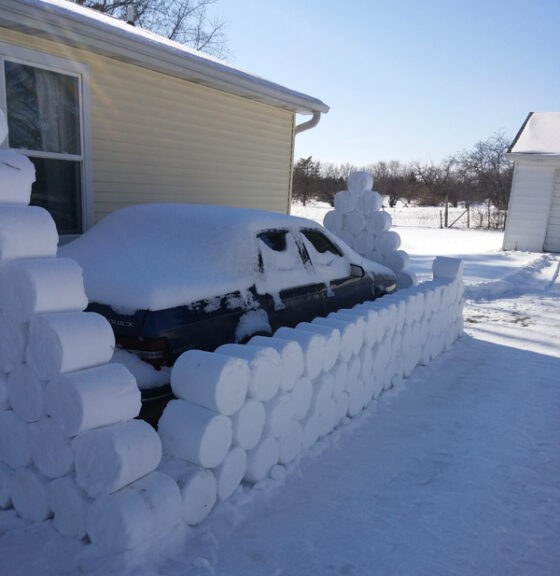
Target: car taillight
pixel 155 351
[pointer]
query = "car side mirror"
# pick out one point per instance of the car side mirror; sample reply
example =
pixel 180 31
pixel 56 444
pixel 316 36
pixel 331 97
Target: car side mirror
pixel 356 271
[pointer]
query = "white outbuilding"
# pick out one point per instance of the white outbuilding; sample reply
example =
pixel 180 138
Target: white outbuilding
pixel 533 221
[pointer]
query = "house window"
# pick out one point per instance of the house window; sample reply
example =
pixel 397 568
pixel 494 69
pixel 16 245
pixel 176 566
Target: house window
pixel 44 109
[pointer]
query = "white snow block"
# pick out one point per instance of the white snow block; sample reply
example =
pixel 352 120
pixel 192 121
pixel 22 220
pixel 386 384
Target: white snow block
pixel 342 402
pixel 291 355
pixel 6 479
pixel 29 494
pixel 328 419
pixel 346 236
pixel 379 222
pixel 447 268
pixel 323 388
pixel 332 338
pixel 398 260
pixel 94 397
pixel 3 127
pixel 280 412
pixel 197 486
pixel 214 381
pixel 311 426
pixel 388 242
pixel 345 201
pixel 313 345
pixel 369 202
pixel 17 174
pixel 13 342
pixel 144 511
pixel 358 319
pixel 364 242
pixel 67 341
pixel 290 445
pixel 374 255
pixel 26 232
pixel 359 182
pixel 109 458
pixel 248 424
pixel 4 401
pixel 406 279
pixel 261 459
pixel 70 506
pixel 265 368
pixel 347 329
pixel 366 370
pixel 333 221
pixel 26 393
pixel 230 472
pixel 195 434
pixel 41 285
pixel 340 375
pixel 50 448
pixel 14 444
pixel 302 395
pixel 354 222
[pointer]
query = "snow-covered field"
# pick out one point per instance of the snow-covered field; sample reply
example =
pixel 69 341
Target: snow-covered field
pixel 453 472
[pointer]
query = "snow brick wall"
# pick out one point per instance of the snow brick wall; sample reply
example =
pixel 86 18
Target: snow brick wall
pixel 70 448
pixel 246 409
pixel 358 220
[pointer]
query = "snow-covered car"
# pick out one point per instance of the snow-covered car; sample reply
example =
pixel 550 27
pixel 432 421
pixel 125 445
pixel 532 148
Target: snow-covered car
pixel 171 277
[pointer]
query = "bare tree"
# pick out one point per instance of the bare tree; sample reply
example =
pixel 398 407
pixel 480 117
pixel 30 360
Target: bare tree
pixel 185 21
pixel 435 179
pixel 489 170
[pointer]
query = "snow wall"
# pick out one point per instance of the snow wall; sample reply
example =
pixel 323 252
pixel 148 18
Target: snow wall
pixel 70 448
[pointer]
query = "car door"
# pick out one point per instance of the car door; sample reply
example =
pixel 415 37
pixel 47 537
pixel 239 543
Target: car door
pixel 287 277
pixel 348 284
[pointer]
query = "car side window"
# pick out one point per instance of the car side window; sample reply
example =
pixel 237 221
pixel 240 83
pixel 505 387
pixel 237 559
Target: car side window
pixel 281 262
pixel 327 258
pixel 274 239
pixel 320 242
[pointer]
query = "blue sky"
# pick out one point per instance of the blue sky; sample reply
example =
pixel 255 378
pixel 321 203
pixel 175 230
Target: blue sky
pixel 405 79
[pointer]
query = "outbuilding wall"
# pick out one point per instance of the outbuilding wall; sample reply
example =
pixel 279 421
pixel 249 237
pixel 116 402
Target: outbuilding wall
pixel 529 205
pixel 155 138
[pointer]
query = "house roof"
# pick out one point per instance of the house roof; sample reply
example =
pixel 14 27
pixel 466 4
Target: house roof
pixel 539 135
pixel 72 24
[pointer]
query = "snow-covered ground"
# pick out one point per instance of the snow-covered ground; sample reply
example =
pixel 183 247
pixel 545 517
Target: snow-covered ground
pixel 453 472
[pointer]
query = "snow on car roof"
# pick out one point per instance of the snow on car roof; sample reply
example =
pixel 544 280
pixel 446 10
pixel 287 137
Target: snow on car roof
pixel 164 255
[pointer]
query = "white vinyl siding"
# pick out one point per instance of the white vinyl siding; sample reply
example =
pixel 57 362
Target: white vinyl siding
pixel 552 239
pixel 529 206
pixel 157 138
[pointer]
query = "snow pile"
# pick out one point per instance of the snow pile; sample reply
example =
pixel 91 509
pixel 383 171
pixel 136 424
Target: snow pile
pixel 244 411
pixel 69 447
pixel 358 220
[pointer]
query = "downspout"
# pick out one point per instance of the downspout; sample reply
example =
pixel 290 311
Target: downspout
pixel 298 130
pixel 309 124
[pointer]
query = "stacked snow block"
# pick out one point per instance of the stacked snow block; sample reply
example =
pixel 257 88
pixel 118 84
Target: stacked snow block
pixel 357 219
pixel 69 447
pixel 244 410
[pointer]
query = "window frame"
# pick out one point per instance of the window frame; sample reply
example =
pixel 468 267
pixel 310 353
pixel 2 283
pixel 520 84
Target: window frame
pixel 79 70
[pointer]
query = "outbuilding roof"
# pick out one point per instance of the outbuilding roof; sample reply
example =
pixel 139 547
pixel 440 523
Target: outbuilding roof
pixel 68 23
pixel 540 134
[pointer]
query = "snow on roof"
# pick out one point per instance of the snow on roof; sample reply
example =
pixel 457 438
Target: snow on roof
pixel 70 23
pixel 164 255
pixel 540 134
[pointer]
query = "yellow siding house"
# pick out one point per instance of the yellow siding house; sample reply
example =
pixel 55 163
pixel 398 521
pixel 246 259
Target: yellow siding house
pixel 112 115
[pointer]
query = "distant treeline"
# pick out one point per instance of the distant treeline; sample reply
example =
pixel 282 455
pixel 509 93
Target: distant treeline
pixel 481 174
